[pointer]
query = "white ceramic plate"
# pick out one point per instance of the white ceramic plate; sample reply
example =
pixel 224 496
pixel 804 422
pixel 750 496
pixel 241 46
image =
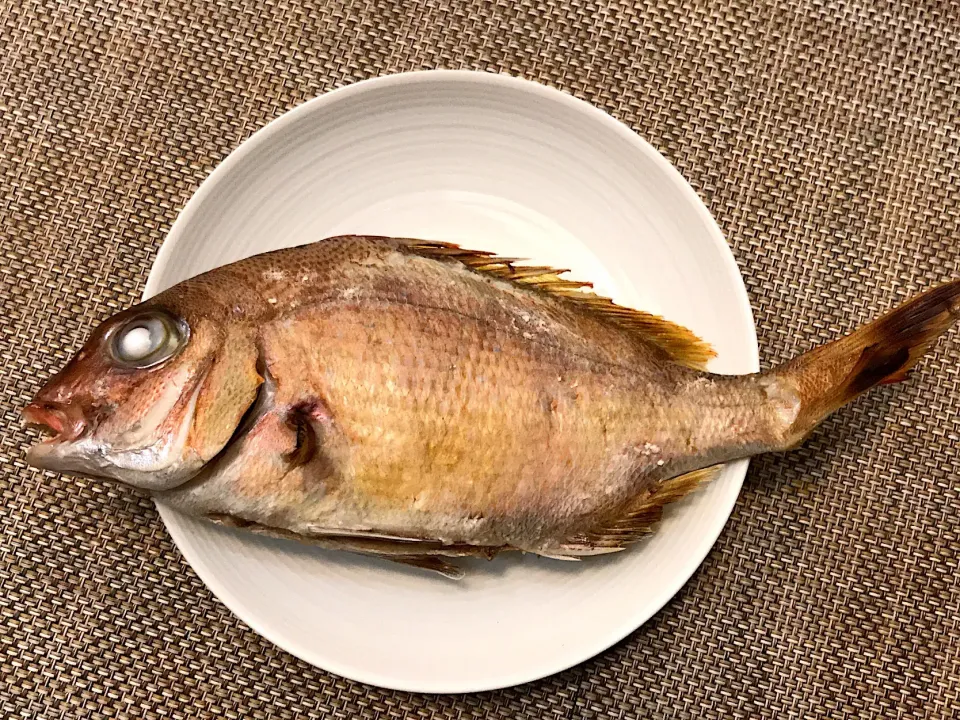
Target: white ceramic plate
pixel 492 163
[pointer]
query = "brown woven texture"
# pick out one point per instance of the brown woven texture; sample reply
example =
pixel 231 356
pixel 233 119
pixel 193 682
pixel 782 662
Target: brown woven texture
pixel 824 137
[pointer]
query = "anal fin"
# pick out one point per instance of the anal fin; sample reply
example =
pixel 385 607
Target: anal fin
pixel 639 519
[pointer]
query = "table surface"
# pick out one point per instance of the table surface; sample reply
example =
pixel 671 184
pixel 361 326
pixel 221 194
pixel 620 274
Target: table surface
pixel 824 138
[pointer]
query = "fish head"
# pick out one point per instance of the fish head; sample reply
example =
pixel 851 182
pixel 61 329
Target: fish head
pixel 154 394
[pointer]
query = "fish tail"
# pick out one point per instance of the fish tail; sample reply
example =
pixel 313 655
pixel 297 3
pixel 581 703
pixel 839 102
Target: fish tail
pixel 880 353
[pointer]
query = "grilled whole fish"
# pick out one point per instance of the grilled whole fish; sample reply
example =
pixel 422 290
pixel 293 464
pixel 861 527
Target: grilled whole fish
pixel 418 401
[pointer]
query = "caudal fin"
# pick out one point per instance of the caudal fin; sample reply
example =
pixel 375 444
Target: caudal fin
pixel 882 352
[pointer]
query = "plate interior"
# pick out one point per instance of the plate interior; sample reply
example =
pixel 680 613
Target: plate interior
pixel 498 164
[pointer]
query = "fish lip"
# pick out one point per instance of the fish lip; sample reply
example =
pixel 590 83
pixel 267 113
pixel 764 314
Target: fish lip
pixel 59 425
pixel 43 454
pixel 61 457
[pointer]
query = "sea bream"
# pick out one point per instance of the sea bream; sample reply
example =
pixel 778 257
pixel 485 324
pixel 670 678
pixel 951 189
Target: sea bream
pixel 419 401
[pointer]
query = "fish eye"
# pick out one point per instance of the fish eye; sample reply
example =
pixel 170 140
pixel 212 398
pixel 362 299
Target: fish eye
pixel 148 339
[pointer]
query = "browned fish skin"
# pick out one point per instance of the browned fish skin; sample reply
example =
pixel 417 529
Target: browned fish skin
pixel 408 396
pixel 450 405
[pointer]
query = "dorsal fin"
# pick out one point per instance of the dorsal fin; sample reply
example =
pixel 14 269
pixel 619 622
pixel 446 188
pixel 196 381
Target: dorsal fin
pixel 683 346
pixel 639 520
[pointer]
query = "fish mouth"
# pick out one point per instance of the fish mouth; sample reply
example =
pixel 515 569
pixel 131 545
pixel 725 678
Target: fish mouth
pixel 153 454
pixel 56 424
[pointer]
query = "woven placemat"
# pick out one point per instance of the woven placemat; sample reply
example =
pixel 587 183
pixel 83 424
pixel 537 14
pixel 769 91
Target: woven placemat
pixel 825 139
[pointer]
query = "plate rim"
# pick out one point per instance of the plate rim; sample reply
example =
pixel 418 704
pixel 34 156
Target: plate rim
pixel 175 236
